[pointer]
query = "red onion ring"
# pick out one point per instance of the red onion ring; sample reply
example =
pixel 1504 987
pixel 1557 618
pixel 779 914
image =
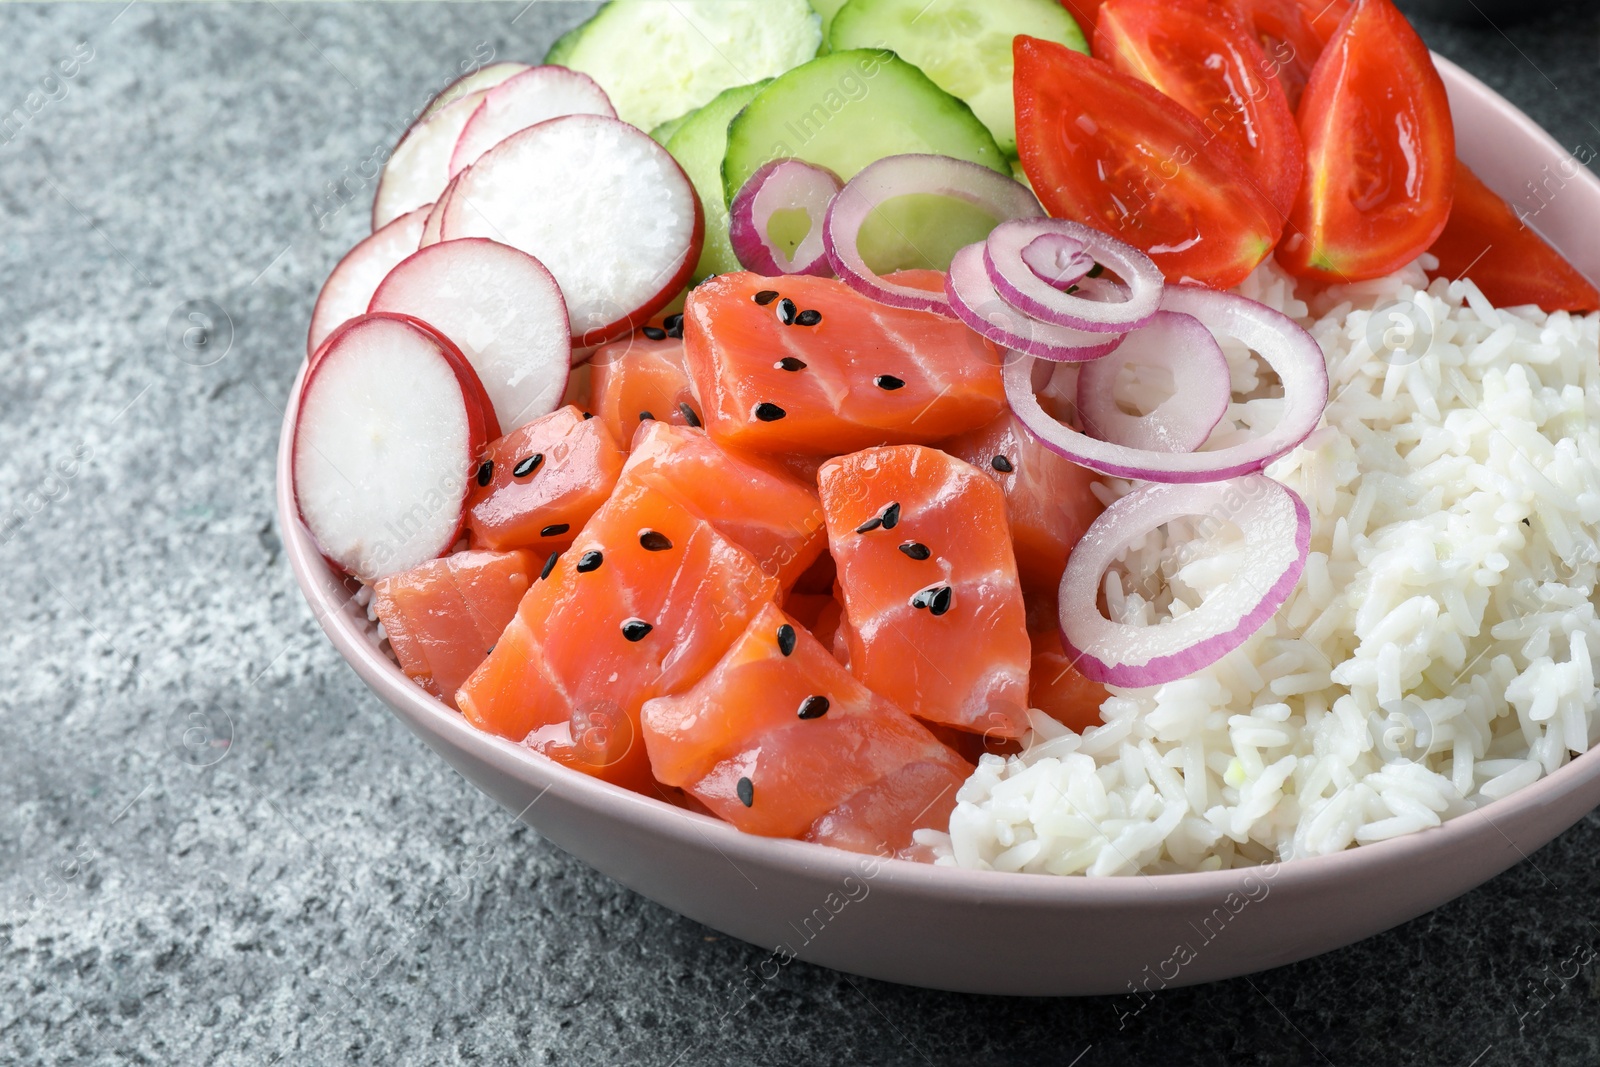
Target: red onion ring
pixel 1201 388
pixel 1277 531
pixel 974 301
pixel 894 176
pixel 783 184
pixel 1016 250
pixel 1278 339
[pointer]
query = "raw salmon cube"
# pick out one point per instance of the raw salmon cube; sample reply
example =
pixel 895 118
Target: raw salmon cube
pixel 637 380
pixel 443 617
pixel 779 740
pixel 539 484
pixel 934 613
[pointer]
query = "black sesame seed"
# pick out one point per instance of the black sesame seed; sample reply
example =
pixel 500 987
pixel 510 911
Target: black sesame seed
pixel 673 322
pixel 939 603
pixel 590 561
pixel 769 412
pixel 891 516
pixel 486 472
pixel 688 414
pixel 787 311
pixel 870 525
pixel 766 296
pixel 645 416
pixel 786 639
pixel 813 707
pixel 790 363
pixel 919 599
pixel 889 382
pixel 555 529
pixel 1002 464
pixel 1525 522
pixel 747 792
pixel 654 541
pixel 1096 270
pixel 916 550
pixel 808 318
pixel 655 333
pixel 527 466
pixel 549 565
pixel 675 332
pixel 587 415
pixel 636 629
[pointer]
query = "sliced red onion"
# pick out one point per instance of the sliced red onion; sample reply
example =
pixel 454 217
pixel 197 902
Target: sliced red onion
pixel 1179 345
pixel 1291 352
pixel 974 301
pixel 1032 262
pixel 782 185
pixel 1277 534
pixel 894 176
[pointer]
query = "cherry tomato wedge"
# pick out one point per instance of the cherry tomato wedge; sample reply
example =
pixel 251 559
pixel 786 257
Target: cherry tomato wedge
pixel 1380 152
pixel 1287 40
pixel 1202 56
pixel 1324 16
pixel 1111 152
pixel 1486 241
pixel 1085 13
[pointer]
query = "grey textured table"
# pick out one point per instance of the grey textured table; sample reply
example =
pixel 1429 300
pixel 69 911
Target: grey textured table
pixel 323 889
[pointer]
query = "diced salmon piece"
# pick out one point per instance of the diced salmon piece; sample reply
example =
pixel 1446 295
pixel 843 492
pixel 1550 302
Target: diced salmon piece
pixel 443 617
pixel 637 380
pixel 752 501
pixel 779 740
pixel 861 374
pixel 935 615
pixel 540 483
pixel 646 600
pixel 1049 503
pixel 1056 687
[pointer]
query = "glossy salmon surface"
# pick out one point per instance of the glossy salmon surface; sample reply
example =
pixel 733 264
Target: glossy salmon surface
pixel 538 485
pixel 637 380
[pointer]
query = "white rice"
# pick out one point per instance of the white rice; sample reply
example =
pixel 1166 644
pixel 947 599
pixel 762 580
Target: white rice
pixel 1435 656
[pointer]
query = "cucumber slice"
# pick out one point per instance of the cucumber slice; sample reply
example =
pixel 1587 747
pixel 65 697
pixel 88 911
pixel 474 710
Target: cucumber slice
pixel 847 109
pixel 699 145
pixel 963 45
pixel 657 60
pixel 663 133
pixel 825 10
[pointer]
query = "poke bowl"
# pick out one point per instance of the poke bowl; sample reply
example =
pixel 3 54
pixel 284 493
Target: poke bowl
pixel 995 931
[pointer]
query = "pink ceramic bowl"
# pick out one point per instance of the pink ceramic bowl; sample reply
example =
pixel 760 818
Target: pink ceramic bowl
pixel 986 932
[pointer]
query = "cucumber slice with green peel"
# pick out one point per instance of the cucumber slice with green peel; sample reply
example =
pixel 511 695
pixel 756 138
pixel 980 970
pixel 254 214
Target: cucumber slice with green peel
pixel 659 60
pixel 825 10
pixel 663 133
pixel 699 145
pixel 850 108
pixel 963 45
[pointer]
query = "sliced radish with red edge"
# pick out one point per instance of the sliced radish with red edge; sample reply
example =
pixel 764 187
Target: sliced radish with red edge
pixel 527 99
pixel 604 207
pixel 501 308
pixel 390 426
pixel 419 167
pixel 350 286
pixel 485 77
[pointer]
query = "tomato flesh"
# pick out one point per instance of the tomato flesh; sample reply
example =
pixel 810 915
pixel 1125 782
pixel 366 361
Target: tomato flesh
pixel 1380 152
pixel 1202 56
pixel 1109 151
pixel 1287 40
pixel 1486 241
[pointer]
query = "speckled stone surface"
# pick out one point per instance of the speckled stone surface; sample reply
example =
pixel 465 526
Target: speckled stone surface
pixel 314 887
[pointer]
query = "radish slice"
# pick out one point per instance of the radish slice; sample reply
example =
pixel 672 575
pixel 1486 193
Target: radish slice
pixel 501 308
pixel 893 176
pixel 1178 349
pixel 350 286
pixel 391 422
pixel 1031 262
pixel 486 77
pixel 1291 353
pixel 419 168
pixel 600 204
pixel 529 98
pixel 974 300
pixel 435 220
pixel 1277 535
pixel 782 185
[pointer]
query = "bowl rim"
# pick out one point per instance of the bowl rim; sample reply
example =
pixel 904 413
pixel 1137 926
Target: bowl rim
pixel 441 725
